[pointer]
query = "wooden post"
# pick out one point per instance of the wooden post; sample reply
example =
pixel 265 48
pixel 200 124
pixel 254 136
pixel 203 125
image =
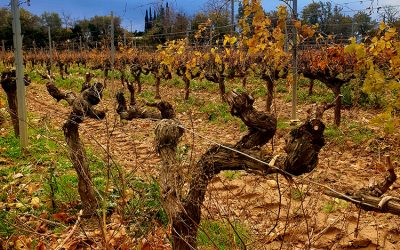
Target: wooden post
pixel 80 48
pixel 294 90
pixel 3 46
pixel 124 38
pixel 232 17
pixel 112 48
pixel 50 49
pixel 20 75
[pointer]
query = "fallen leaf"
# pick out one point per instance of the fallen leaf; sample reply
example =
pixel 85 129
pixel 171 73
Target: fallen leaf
pixel 35 202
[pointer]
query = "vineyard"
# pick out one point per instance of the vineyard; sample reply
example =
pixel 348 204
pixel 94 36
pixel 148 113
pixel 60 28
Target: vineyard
pixel 194 145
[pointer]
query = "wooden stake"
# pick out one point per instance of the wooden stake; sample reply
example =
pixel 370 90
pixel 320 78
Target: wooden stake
pixel 20 75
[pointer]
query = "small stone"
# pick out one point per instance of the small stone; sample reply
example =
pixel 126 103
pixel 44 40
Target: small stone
pixel 18 175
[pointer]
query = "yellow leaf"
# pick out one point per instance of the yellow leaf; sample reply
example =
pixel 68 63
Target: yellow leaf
pixel 382 26
pixel 35 202
pixel 297 24
pixel 218 59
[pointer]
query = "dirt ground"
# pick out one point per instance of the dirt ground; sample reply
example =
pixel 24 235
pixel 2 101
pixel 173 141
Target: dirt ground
pixel 279 215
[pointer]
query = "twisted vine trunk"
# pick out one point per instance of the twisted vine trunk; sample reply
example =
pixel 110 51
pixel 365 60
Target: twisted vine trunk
pixel 222 91
pixel 80 162
pixel 13 109
pixel 82 107
pixel 270 94
pixel 9 85
pixel 184 209
pixel 187 87
pixel 158 82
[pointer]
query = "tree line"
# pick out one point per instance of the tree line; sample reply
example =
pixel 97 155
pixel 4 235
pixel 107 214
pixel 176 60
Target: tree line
pixel 168 24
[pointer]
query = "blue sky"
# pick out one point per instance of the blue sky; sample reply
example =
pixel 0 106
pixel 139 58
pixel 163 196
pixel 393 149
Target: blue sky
pixel 134 10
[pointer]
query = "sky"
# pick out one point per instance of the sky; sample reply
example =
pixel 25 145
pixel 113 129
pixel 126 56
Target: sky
pixel 133 11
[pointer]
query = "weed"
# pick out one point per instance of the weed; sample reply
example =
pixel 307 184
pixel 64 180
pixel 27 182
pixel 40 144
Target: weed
pixel 10 148
pixel 145 205
pixel 334 134
pixel 259 91
pixel 360 134
pixel 147 95
pixel 283 124
pixel 297 194
pixel 231 175
pixel 64 188
pixel 334 205
pixel 185 105
pixel 5 226
pixel 203 85
pixel 281 86
pixel 222 234
pixel 217 112
pixel 71 83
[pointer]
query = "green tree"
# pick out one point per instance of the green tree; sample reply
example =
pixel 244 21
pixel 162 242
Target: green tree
pixel 362 23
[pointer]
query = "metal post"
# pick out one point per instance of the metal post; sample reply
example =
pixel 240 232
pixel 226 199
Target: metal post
pixel 20 75
pixel 50 49
pixel 294 90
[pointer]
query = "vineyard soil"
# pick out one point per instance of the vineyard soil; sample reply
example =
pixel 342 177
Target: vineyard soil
pixel 266 213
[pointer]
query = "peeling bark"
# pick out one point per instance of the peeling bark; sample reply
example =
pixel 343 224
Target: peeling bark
pixel 82 107
pixel 9 85
pixel 184 210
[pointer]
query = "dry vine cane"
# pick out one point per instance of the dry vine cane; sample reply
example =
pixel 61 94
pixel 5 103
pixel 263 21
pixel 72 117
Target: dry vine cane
pixel 372 198
pixel 82 107
pixel 184 207
pixel 9 85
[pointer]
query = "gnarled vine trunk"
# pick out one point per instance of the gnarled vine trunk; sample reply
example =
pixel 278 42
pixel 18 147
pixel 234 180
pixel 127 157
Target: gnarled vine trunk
pixel 158 82
pixel 187 87
pixel 82 107
pixel 9 85
pixel 81 165
pixel 184 209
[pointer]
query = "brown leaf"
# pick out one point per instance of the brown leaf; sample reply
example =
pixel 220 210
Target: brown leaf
pixel 40 246
pixel 61 216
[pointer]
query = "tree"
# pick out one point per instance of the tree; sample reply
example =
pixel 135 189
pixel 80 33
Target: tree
pixel 330 18
pixel 312 13
pixel 52 20
pixel 362 23
pixel 389 14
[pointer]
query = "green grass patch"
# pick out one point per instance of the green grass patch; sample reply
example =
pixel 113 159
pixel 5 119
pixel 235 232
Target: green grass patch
pixel 334 134
pixel 297 194
pixel 185 105
pixel 147 95
pixel 217 112
pixel 360 134
pixel 203 85
pixel 334 205
pixel 222 235
pixel 10 148
pixel 6 228
pixel 145 205
pixel 231 175
pixel 65 187
pixel 283 124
